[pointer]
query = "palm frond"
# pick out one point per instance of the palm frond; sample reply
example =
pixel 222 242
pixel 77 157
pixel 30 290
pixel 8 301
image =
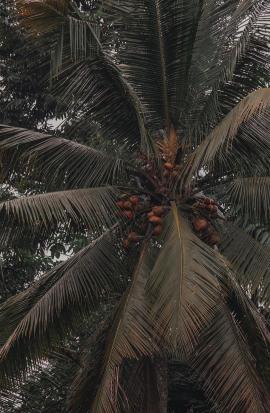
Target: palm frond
pixel 249 259
pixel 184 285
pixel 242 306
pixel 67 27
pixel 56 161
pixel 227 369
pixel 200 53
pixel 141 387
pixel 157 13
pixel 85 383
pixel 102 96
pixel 143 59
pixel 246 311
pixel 240 40
pixel 222 145
pixel 185 390
pixel 49 380
pixel 32 320
pixel 130 337
pixel 250 197
pixel 93 208
pixel 181 28
pixel 82 51
pixel 155 55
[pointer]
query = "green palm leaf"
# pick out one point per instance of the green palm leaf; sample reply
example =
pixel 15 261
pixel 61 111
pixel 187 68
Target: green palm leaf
pixel 158 47
pixel 183 25
pixel 130 337
pixel 64 20
pixel 250 197
pixel 95 208
pixel 205 50
pixel 227 51
pixel 249 260
pixel 144 58
pixel 101 95
pixel 227 368
pixel 32 320
pixel 86 380
pixel 60 162
pixel 95 82
pixel 246 310
pixel 221 144
pixel 184 285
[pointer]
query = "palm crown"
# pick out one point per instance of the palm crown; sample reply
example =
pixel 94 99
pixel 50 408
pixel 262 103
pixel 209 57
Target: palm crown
pixel 175 84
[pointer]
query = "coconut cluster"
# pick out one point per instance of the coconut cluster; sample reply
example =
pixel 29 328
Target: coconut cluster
pixel 205 211
pixel 128 206
pixel 145 212
pixel 162 176
pixel 146 218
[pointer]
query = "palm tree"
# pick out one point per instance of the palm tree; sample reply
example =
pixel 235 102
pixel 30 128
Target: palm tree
pixel 177 221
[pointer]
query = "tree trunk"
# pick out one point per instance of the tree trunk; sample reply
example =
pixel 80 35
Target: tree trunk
pixel 162 383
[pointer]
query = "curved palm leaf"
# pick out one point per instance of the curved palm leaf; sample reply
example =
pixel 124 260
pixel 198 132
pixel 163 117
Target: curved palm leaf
pixel 32 320
pixel 60 162
pixel 103 97
pixel 249 260
pixel 247 313
pixel 219 146
pixel 95 208
pixel 184 285
pixel 140 385
pixel 156 54
pixel 86 379
pixel 240 38
pixel 64 20
pixel 61 364
pixel 181 25
pixel 242 305
pixel 94 81
pixel 227 368
pixel 206 61
pixel 130 337
pixel 144 58
pixel 250 196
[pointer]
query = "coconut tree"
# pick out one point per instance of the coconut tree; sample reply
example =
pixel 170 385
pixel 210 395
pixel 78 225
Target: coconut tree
pixel 177 219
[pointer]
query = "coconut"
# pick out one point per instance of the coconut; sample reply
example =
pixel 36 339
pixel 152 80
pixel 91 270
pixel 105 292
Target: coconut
pixel 134 199
pixel 128 214
pixel 214 239
pixel 200 224
pixel 212 208
pixel 158 210
pixel 157 230
pixel 155 220
pixel 120 204
pixel 127 205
